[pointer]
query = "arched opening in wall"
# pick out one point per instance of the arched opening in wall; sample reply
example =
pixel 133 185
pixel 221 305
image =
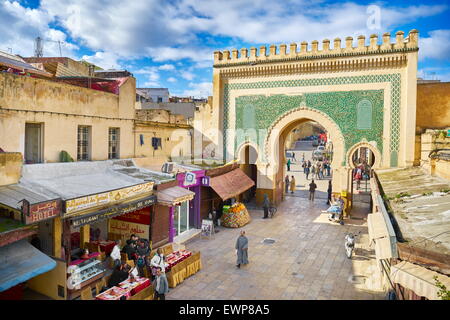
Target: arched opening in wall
pixel 362 160
pixel 251 170
pixel 305 152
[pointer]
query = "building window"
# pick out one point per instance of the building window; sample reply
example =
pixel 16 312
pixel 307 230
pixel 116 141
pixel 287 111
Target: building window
pixel 160 99
pixel 34 142
pixel 84 143
pixel 156 143
pixel 113 143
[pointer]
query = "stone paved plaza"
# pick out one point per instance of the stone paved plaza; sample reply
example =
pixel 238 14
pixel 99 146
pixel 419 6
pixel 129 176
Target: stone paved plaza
pixel 307 261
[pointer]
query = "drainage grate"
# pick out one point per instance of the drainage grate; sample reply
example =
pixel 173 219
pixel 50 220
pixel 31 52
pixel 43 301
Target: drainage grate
pixel 268 241
pixel 357 279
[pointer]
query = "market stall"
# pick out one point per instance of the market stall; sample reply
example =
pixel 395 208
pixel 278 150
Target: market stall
pixel 235 216
pixel 127 289
pixel 182 264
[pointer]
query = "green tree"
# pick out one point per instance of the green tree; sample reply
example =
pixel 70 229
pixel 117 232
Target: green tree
pixel 443 293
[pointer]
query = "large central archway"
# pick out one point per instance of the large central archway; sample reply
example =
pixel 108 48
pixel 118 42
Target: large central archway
pixel 275 153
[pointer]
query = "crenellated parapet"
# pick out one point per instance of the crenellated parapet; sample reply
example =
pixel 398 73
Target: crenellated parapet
pixel 281 54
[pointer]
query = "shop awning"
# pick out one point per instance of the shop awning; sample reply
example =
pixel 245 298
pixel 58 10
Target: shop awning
pixel 231 184
pixel 174 195
pixel 20 261
pixel 418 279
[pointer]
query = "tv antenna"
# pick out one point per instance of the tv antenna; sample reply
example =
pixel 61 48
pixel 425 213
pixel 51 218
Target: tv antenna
pixel 39 46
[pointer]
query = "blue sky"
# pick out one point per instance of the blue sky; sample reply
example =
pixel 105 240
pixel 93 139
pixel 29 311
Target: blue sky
pixel 171 43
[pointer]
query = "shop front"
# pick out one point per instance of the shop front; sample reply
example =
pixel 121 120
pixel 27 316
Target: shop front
pixel 187 213
pixel 226 185
pixel 176 201
pixel 25 254
pixel 92 222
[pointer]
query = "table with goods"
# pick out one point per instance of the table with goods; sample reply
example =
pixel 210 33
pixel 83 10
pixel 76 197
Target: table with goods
pixel 82 273
pixel 181 265
pixel 235 216
pixel 126 288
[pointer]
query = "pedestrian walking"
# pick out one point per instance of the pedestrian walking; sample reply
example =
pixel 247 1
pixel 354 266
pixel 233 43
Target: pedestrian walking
pixel 293 184
pixel 307 172
pixel 321 170
pixel 161 285
pixel 293 155
pixel 312 190
pixel 358 176
pixel 288 165
pixel 329 192
pixel 303 157
pixel 304 165
pixel 266 205
pixel 242 250
pixel 286 184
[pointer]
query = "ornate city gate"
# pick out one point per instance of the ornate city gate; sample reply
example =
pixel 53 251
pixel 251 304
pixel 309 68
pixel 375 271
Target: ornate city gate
pixel 364 96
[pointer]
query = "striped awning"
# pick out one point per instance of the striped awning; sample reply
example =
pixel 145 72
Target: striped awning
pixel 174 195
pixel 418 279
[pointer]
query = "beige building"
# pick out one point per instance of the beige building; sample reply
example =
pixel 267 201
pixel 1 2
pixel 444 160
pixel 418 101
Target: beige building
pixel 160 136
pixel 40 118
pixel 364 95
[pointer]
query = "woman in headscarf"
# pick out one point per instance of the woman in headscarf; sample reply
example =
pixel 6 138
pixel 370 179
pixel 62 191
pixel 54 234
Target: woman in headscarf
pixel 293 185
pixel 266 205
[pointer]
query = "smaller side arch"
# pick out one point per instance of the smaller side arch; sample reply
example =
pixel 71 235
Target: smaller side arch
pixel 240 152
pixel 376 152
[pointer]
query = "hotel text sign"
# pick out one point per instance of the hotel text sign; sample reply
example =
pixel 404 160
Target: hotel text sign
pixel 107 197
pixel 41 211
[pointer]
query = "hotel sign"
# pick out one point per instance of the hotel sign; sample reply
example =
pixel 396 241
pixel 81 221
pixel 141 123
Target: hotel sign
pixel 98 199
pixel 113 211
pixel 37 212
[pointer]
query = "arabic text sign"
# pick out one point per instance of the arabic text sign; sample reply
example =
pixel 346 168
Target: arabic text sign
pixel 43 211
pixel 113 211
pixel 129 228
pixel 107 197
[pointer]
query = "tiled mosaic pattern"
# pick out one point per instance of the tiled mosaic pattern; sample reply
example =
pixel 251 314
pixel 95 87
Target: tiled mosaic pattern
pixel 339 106
pixel 393 79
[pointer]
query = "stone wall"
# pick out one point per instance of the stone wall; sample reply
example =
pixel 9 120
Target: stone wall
pixel 433 106
pixel 10 167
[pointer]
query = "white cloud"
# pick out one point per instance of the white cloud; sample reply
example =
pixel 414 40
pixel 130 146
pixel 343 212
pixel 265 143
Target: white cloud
pixel 171 79
pixel 166 67
pixel 436 46
pixel 187 75
pixel 198 90
pixel 20 27
pixel 105 60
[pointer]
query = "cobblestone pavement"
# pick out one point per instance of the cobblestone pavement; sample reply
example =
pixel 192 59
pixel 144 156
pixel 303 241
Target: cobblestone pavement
pixel 307 260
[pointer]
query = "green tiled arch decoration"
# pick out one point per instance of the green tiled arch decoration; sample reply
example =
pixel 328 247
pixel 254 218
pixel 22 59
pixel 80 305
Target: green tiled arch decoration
pixel 313 98
pixel 340 106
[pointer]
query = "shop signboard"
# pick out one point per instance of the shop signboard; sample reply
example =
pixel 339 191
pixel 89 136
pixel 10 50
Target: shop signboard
pixel 128 228
pixel 207 228
pixel 33 213
pixel 141 216
pixel 190 178
pixel 205 181
pixel 113 211
pixel 98 199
